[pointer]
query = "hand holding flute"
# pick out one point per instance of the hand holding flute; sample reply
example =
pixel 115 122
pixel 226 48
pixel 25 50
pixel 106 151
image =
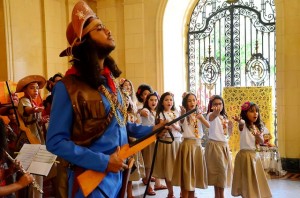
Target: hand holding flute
pixel 24 181
pixel 26 178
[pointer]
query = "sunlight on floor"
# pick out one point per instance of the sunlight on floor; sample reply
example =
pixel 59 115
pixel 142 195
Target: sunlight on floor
pixel 280 188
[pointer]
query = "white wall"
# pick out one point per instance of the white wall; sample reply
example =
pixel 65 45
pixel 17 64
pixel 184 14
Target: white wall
pixel 174 48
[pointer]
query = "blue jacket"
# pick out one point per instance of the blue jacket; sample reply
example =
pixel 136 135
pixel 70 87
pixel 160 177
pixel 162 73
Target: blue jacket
pixel 96 156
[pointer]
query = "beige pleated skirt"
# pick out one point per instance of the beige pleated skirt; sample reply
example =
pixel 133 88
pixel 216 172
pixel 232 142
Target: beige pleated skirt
pixel 190 167
pixel 218 163
pixel 165 159
pixel 249 179
pixel 148 155
pixel 139 169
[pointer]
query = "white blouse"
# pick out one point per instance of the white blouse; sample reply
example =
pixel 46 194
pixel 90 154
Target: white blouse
pixel 215 131
pixel 189 129
pixel 168 117
pixel 247 140
pixel 150 120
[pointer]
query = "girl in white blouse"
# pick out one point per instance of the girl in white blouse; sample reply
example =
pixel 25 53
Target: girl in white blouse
pixel 190 167
pixel 217 155
pixel 249 179
pixel 166 153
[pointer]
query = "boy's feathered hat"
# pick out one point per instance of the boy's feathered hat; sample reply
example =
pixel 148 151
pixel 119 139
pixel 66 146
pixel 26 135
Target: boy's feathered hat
pixel 41 81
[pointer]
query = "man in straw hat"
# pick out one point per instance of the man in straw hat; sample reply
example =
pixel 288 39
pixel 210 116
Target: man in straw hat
pixel 88 122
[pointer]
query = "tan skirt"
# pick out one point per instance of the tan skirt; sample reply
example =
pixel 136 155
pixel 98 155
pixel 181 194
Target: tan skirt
pixel 190 167
pixel 218 163
pixel 165 159
pixel 249 179
pixel 148 155
pixel 139 169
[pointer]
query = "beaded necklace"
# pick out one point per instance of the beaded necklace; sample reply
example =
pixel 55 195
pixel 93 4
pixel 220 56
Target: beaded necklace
pixel 224 124
pixel 171 115
pixel 194 123
pixel 254 130
pixel 114 104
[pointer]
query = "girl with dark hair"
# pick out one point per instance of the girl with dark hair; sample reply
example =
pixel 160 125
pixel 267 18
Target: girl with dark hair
pixel 148 119
pixel 217 153
pixel 166 153
pixel 249 179
pixel 141 94
pixel 127 87
pixel 190 163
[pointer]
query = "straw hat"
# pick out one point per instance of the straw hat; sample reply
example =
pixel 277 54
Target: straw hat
pixel 30 79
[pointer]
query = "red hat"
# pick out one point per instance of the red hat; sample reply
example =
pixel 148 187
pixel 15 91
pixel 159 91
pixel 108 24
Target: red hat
pixel 75 31
pixel 71 37
pixel 70 33
pixel 80 14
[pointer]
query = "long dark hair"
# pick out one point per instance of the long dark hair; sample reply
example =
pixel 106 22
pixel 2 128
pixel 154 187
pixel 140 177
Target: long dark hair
pixel 185 103
pixel 86 57
pixel 258 123
pixel 86 63
pixel 160 107
pixel 211 100
pixel 112 65
pixel 185 100
pixel 141 89
pixel 146 105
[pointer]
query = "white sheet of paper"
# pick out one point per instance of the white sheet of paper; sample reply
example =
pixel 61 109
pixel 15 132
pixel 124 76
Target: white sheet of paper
pixel 36 159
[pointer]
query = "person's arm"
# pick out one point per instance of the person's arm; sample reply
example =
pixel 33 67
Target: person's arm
pixel 31 110
pixel 260 138
pixel 58 139
pixel 144 112
pixel 216 112
pixel 26 107
pixel 240 121
pixel 24 181
pixel 230 127
pixel 203 120
pixel 176 126
pixel 139 131
pixel 182 111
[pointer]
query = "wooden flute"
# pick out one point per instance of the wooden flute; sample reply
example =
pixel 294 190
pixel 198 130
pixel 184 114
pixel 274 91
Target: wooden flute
pixel 34 184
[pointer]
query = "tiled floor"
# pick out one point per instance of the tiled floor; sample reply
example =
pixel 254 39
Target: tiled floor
pixel 280 188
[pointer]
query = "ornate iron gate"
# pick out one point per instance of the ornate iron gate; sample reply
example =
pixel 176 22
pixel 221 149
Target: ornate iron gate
pixel 231 44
